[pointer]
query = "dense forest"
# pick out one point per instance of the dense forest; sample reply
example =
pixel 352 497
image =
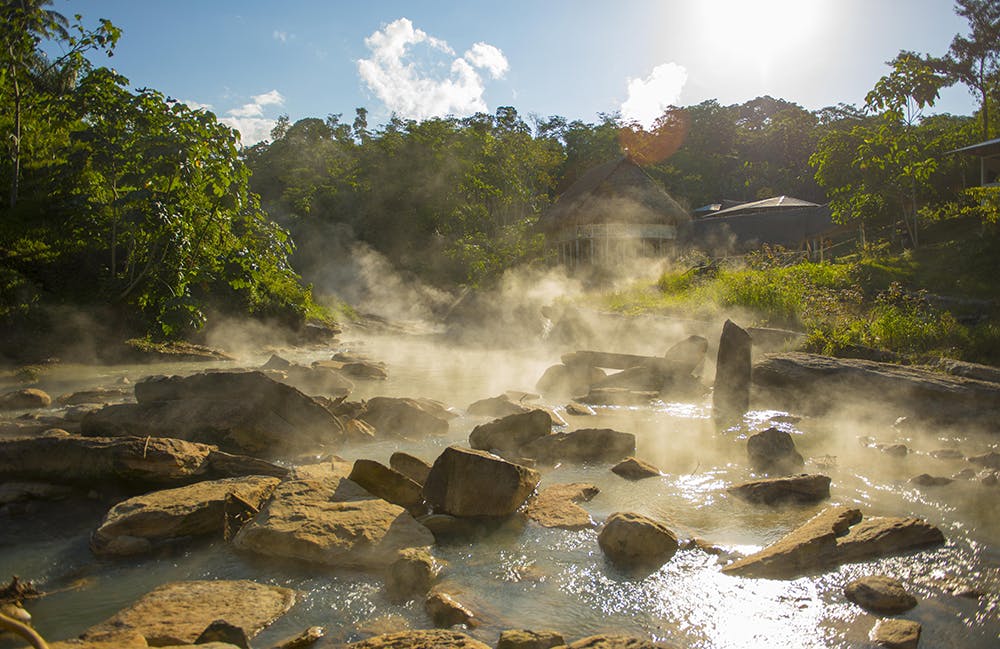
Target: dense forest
pixel 123 200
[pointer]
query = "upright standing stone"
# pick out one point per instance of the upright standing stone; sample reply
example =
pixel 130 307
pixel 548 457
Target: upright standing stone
pixel 731 396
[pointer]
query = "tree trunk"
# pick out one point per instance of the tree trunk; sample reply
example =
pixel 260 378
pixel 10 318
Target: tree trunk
pixel 15 176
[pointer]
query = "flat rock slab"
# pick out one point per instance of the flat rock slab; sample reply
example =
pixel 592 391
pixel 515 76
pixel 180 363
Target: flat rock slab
pixel 796 489
pixel 615 642
pixel 807 380
pixel 834 536
pixel 194 510
pixel 307 520
pixel 177 613
pixel 632 468
pixel 526 639
pixel 424 639
pixel 556 506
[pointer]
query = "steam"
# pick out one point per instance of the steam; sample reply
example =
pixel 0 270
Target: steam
pixel 649 97
pixel 415 89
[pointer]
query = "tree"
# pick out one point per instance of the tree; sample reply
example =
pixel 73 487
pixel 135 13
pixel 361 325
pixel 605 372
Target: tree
pixel 974 59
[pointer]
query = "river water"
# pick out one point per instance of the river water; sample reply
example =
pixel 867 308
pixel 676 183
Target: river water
pixel 525 576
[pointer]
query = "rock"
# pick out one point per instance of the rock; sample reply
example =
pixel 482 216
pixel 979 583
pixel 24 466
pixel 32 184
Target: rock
pixel 26 399
pixel 969 370
pixel 632 468
pixel 160 516
pixel 228 464
pixel 804 382
pixel 584 445
pixel 445 611
pixel 947 454
pixel 614 642
pixel 510 433
pixel 243 412
pixel 895 450
pixel 475 483
pixel 988 478
pixel 880 594
pixel 579 409
pixel 896 634
pixel 618 397
pixel 632 540
pixel 770 339
pixel 411 574
pixel 555 506
pixel 276 362
pixel 928 480
pixel 400 417
pixel 731 394
pixel 411 466
pixel 106 640
pixel 222 631
pixel 423 639
pixel 387 484
pixel 773 451
pixel 357 368
pixel 142 350
pixel 834 536
pixel 96 395
pixel 305 639
pixel 522 639
pixel 12 492
pixel 564 380
pixel 345 527
pixel 177 613
pixel 499 406
pixel 799 489
pixel 989 460
pixel 317 380
pixel 964 474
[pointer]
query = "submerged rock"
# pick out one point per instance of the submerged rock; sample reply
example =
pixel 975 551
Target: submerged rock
pixel 632 541
pixel 423 639
pixel 834 536
pixel 26 399
pixel 137 524
pixel 584 445
pixel 177 613
pixel 445 611
pixel 799 489
pixel 344 527
pixel 556 506
pixel 880 594
pixel 773 451
pixel 512 432
pixel 632 468
pixel 928 480
pixel 475 483
pixel 400 417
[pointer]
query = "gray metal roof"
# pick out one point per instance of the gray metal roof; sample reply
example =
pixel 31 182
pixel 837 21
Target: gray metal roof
pixel 987 148
pixel 777 202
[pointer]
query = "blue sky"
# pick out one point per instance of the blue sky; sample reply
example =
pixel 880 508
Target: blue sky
pixel 250 61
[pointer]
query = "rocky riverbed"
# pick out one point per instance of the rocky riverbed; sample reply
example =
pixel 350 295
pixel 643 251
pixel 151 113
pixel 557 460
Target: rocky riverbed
pixel 385 487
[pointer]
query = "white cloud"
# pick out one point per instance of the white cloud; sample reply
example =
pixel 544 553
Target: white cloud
pixel 280 36
pixel 249 118
pixel 647 98
pixel 423 90
pixel 195 105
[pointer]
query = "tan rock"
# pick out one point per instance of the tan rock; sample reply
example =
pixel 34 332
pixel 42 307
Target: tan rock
pixel 128 639
pixel 896 634
pixel 411 466
pixel 400 417
pixel 387 484
pixel 880 594
pixel 583 445
pixel 423 639
pixel 632 468
pixel 523 639
pixel 411 574
pixel 614 642
pixel 510 433
pixel 555 506
pixel 466 482
pixel 799 489
pixel 631 540
pixel 26 399
pixel 445 611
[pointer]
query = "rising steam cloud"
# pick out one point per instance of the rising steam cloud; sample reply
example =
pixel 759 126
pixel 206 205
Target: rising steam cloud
pixel 413 88
pixel 649 97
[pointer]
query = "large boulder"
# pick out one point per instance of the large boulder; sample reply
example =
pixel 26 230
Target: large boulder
pixel 568 380
pixel 411 466
pixel 634 541
pixel 387 484
pixel 880 594
pixel 345 526
pixel 584 445
pixel 771 491
pixel 805 382
pixel 475 483
pixel 317 380
pixel 556 506
pixel 499 406
pixel 356 367
pixel 89 461
pixel 896 634
pixel 195 510
pixel 834 536
pixel 510 433
pixel 245 412
pixel 26 399
pixel 773 450
pixel 422 639
pixel 731 395
pixel 177 613
pixel 402 417
pixel 411 574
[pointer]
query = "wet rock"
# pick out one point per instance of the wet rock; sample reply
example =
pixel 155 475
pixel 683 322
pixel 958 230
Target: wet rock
pixel 611 641
pixel 475 483
pixel 523 639
pixel 445 611
pixel 96 395
pixel 799 381
pixel 579 410
pixel 556 506
pixel 880 594
pixel 105 640
pixel 969 370
pixel 142 350
pixel 411 466
pixel 317 380
pixel 400 417
pixel 798 489
pixel 565 380
pixel 345 527
pixel 584 445
pixel 895 450
pixel 632 468
pixel 161 516
pixel 224 632
pixel 834 536
pixel 510 433
pixel 223 464
pixel 12 492
pixel 177 613
pixel 988 478
pixel 387 484
pixel 731 394
pixel 499 406
pixel 618 397
pixel 632 540
pixel 411 574
pixel 989 460
pixel 947 454
pixel 965 474
pixel 276 362
pixel 243 412
pixel 928 480
pixel 771 339
pixel 423 639
pixel 773 451
pixel 26 399
pixel 358 368
pixel 896 634
pixel 305 639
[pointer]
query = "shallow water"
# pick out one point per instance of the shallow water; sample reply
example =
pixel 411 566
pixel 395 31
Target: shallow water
pixel 525 576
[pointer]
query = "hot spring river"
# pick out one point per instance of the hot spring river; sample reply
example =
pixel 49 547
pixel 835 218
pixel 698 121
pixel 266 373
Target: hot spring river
pixel 527 576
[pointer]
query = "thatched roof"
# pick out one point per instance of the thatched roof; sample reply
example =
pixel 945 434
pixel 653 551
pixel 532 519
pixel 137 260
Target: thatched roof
pixel 614 192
